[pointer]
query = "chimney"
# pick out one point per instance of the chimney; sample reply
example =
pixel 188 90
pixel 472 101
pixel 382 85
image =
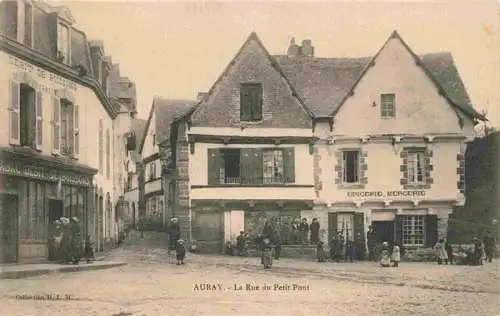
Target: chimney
pixel 115 72
pixel 201 96
pixel 106 71
pixel 307 49
pixel 293 49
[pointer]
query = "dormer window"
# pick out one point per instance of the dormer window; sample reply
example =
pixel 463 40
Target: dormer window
pixel 63 43
pixel 28 24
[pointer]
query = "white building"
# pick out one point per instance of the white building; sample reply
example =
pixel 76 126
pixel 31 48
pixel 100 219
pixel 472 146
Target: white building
pixel 57 156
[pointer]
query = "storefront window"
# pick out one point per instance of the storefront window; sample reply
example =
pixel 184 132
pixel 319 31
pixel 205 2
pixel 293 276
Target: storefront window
pixel 413 230
pixel 345 225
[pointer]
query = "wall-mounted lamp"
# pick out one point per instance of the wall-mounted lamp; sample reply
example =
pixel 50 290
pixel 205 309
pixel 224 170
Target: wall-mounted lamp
pixel 374 104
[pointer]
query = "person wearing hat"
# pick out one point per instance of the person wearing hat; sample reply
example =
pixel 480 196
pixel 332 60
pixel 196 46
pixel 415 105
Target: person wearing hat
pixel 478 251
pixel 180 251
pixel 385 259
pixel 241 243
pixel 174 234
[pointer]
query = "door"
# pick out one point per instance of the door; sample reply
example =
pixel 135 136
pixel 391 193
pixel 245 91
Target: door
pixel 384 231
pixel 208 229
pixel 9 228
pixel 55 210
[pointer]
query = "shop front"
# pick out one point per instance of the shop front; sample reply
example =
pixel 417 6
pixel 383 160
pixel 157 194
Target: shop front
pixel 36 190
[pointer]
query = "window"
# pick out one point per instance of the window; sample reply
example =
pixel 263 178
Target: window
pixel 63 44
pixel 387 105
pixel 101 148
pixel 413 230
pixel 108 155
pixel 28 25
pixel 251 102
pixel 416 167
pixel 230 171
pixel 27 117
pixel 273 166
pixel 345 225
pixel 67 128
pixel 152 171
pixel 350 166
pixel 129 181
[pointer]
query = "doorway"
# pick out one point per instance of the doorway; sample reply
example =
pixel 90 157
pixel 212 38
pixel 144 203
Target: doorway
pixel 55 210
pixel 384 231
pixel 9 224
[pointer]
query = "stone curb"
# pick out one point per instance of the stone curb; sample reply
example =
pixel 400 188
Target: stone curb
pixel 20 274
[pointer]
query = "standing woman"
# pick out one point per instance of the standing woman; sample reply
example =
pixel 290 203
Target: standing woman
pixel 174 234
pixel 442 254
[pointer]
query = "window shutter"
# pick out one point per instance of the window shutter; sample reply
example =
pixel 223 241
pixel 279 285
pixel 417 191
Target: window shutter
pixel 245 103
pixel 332 225
pixel 359 225
pixel 56 125
pixel 257 99
pixel 14 130
pixel 251 166
pixel 39 121
pixel 214 165
pixel 76 131
pixel 398 238
pixel 289 164
pixel 431 230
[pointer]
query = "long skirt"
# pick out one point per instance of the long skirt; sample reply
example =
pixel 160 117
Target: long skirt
pixel 267 259
pixel 385 260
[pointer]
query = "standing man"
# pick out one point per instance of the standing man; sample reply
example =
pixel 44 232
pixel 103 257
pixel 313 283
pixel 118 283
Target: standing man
pixel 174 234
pixel 489 246
pixel 371 239
pixel 314 231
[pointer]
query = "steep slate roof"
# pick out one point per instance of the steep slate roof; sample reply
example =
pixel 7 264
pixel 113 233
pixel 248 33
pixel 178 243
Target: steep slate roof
pixel 253 37
pixel 139 128
pixel 166 112
pixel 325 83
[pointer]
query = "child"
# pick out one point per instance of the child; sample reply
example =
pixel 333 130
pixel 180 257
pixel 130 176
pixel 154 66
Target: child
pixel 88 251
pixel 441 252
pixel 396 255
pixel 180 252
pixel 320 252
pixel 267 254
pixel 385 259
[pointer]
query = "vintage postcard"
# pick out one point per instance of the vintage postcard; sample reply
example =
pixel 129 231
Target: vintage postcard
pixel 249 157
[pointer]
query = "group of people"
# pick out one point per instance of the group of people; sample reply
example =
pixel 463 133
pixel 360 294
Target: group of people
pixel 342 249
pixel 482 250
pixel 297 230
pixel 65 243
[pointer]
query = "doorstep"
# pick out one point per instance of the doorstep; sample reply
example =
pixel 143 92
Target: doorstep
pixel 19 271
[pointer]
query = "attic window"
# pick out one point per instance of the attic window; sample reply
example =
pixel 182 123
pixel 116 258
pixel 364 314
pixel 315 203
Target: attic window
pixel 63 43
pixel 28 24
pixel 388 105
pixel 251 102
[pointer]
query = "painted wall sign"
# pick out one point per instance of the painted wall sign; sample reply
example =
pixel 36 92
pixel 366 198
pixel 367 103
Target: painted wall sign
pixel 385 194
pixel 45 174
pixel 42 73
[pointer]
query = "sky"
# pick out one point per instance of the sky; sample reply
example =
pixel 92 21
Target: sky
pixel 177 49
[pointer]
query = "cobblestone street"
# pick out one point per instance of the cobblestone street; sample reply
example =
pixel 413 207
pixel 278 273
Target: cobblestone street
pixel 150 285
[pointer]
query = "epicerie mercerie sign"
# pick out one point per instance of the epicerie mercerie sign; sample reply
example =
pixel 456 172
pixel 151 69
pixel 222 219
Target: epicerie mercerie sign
pixel 405 194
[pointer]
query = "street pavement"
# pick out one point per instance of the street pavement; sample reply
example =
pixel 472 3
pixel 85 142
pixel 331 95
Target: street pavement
pixel 221 285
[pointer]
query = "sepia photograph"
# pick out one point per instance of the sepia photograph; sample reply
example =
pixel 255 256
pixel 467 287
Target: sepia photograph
pixel 249 157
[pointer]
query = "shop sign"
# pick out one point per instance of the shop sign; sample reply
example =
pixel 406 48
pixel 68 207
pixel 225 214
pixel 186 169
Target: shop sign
pixel 41 73
pixel 403 194
pixel 44 174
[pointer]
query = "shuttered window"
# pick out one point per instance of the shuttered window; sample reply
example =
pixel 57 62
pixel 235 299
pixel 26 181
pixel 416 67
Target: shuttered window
pixel 14 109
pixel 108 155
pixel 251 166
pixel 350 166
pixel 416 167
pixel 28 25
pixel 76 131
pixel 388 105
pixel 56 125
pixel 251 102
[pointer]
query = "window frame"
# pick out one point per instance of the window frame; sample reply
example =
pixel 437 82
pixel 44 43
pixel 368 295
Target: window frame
pixel 388 109
pixel 222 171
pixel 67 111
pixel 413 221
pixel 281 179
pixel 250 88
pixel 356 171
pixel 67 58
pixel 31 24
pixel 413 174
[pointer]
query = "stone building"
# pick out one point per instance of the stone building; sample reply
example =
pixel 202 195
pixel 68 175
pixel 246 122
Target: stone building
pixel 155 158
pixel 59 112
pixel 351 141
